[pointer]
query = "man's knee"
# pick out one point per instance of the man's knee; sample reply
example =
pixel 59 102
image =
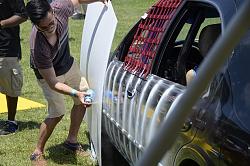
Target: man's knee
pixel 54 119
pixel 78 108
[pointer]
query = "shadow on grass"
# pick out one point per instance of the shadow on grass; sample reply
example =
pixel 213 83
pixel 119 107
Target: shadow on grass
pixel 61 155
pixel 24 125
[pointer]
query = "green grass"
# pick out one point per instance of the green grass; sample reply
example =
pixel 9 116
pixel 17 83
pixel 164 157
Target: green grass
pixel 15 149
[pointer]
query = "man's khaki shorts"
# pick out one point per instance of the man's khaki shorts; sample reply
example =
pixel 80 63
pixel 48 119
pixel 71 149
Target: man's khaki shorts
pixel 11 76
pixel 74 79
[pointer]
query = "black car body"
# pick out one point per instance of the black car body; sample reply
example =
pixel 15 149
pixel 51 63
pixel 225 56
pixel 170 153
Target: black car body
pixel 148 72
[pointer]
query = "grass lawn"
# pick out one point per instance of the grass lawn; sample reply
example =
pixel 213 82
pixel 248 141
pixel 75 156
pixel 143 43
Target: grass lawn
pixel 15 149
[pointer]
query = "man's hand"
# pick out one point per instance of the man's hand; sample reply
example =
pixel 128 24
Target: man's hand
pixel 81 97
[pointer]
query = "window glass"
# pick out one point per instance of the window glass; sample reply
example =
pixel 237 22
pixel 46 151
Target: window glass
pixel 208 21
pixel 184 41
pixel 183 33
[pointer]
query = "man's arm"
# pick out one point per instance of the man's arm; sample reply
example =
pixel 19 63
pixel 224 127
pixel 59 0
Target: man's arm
pixel 50 77
pixel 12 21
pixel 77 2
pixel 19 15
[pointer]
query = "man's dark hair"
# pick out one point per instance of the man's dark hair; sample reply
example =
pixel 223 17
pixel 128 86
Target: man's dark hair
pixel 37 10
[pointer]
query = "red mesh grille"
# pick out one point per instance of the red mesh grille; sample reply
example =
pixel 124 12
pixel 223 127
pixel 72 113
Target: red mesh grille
pixel 148 36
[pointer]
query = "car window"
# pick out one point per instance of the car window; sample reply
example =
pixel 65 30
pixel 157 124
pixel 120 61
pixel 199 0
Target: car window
pixel 148 37
pixel 208 21
pixel 181 51
pixel 183 33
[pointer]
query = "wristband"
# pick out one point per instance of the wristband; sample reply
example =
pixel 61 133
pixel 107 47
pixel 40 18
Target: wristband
pixel 73 93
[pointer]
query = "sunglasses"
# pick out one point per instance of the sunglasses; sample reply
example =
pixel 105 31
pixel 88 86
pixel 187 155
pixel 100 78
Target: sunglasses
pixel 48 27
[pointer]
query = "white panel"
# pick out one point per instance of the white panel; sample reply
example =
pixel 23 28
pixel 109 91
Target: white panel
pixel 98 32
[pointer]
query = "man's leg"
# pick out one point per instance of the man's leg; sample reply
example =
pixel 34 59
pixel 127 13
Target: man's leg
pixel 11 83
pixel 12 105
pixel 73 79
pixel 46 130
pixel 76 117
pixel 78 13
pixel 56 110
pixel 10 126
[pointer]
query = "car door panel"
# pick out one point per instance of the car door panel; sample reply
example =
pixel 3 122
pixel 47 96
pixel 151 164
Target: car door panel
pixel 136 108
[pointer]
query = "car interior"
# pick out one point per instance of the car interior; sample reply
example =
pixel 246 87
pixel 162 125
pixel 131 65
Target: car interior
pixel 188 44
pixel 184 44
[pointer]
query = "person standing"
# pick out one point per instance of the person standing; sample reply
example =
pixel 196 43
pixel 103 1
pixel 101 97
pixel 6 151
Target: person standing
pixel 56 70
pixel 12 13
pixel 79 12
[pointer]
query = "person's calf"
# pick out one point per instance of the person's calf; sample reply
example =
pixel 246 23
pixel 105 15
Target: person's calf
pixel 12 106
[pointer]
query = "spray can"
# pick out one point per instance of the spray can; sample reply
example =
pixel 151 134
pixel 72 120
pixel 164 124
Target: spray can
pixel 90 95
